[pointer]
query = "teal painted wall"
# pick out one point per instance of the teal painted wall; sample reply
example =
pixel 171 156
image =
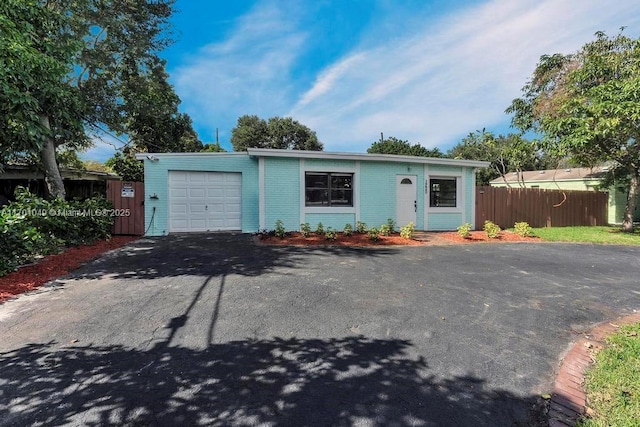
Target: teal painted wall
pixel 282 192
pixel 378 191
pixel 156 176
pixel 444 221
pixel 336 221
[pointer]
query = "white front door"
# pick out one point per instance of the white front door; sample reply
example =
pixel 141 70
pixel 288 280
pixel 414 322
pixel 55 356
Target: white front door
pixel 406 199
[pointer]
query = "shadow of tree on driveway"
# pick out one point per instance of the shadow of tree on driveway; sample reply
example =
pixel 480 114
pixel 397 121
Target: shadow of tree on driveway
pixel 340 381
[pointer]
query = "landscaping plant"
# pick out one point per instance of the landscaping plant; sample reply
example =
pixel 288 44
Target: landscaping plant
pixel 305 229
pixel 492 229
pixel 348 230
pixel 330 234
pixel 522 229
pixel 373 234
pixel 280 230
pixel 320 229
pixel 464 230
pixel 385 230
pixel 407 230
pixel 361 227
pixel 391 224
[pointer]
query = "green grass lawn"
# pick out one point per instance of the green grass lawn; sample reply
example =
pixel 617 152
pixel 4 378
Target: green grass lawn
pixel 613 383
pixel 610 235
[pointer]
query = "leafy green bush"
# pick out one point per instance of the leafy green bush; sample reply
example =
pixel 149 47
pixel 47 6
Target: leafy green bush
pixel 348 230
pixel 330 234
pixel 280 230
pixel 385 230
pixel 523 229
pixel 320 229
pixel 492 230
pixel 305 229
pixel 407 230
pixel 31 226
pixel 391 224
pixel 373 234
pixel 361 227
pixel 464 230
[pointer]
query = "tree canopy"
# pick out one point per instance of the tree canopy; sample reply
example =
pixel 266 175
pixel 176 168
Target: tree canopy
pixel 392 145
pixel 278 132
pixel 510 153
pixel 587 105
pixel 69 68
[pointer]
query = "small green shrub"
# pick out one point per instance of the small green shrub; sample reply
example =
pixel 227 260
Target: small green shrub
pixel 305 229
pixel 348 230
pixel 523 229
pixel 280 230
pixel 320 229
pixel 407 230
pixel 361 227
pixel 391 224
pixel 464 230
pixel 492 230
pixel 385 230
pixel 373 234
pixel 330 234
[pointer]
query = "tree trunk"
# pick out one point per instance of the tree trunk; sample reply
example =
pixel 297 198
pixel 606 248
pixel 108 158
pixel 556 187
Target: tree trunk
pixel 52 177
pixel 632 199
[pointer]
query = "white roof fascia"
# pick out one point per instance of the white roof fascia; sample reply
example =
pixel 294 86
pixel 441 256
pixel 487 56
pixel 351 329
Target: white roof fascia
pixel 143 156
pixel 266 152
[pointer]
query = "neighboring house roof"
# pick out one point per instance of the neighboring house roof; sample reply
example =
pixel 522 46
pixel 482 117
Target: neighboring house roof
pixel 568 174
pixel 28 172
pixel 303 154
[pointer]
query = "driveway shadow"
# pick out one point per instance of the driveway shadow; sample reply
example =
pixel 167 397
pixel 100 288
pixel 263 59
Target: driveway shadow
pixel 209 255
pixel 338 381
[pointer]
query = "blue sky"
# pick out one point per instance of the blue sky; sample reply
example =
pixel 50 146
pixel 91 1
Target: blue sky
pixel 426 71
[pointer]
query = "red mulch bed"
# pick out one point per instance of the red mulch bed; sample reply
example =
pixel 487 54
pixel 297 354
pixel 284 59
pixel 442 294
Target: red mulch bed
pixel 439 238
pixel 296 238
pixel 481 236
pixel 51 267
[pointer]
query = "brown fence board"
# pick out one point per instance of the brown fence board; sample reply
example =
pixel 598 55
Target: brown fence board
pixel 128 204
pixel 540 208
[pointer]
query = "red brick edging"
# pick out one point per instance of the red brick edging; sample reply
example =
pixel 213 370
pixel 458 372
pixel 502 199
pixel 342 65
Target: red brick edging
pixel 568 401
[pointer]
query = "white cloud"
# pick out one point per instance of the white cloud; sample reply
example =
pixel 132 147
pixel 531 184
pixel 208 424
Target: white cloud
pixel 437 83
pixel 248 73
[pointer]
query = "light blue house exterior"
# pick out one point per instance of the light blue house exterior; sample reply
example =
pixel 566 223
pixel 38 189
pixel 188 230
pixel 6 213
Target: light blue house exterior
pixel 250 191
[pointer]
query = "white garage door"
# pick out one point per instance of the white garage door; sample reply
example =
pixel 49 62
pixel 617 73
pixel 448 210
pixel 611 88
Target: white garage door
pixel 204 201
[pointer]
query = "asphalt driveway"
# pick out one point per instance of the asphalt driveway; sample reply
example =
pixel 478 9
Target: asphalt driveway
pixel 215 330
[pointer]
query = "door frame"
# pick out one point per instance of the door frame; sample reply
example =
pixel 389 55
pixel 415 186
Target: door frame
pixel 414 183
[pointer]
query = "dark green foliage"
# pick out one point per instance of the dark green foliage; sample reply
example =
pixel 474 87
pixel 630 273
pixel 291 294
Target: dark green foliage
pixel 279 132
pixel 126 166
pixel 397 146
pixel 31 226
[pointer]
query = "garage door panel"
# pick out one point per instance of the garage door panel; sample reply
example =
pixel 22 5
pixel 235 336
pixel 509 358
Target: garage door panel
pixel 202 201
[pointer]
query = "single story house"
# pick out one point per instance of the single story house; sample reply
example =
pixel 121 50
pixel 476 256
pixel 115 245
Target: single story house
pixel 580 179
pixel 249 191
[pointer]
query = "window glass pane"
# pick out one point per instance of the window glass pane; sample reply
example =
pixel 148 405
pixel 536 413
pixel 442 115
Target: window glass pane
pixel 315 180
pixel 328 189
pixel 443 192
pixel 341 197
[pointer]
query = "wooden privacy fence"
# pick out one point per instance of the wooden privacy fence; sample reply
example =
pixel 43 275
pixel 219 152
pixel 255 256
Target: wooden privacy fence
pixel 540 208
pixel 128 207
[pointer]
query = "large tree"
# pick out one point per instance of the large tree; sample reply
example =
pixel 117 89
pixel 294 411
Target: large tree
pixel 587 105
pixel 278 132
pixel 392 145
pixel 510 153
pixel 72 66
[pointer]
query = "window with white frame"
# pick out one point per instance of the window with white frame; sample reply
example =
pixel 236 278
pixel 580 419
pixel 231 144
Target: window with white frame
pixel 328 189
pixel 443 192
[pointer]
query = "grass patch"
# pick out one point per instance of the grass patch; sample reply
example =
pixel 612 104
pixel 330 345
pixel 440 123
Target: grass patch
pixel 613 383
pixel 610 235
